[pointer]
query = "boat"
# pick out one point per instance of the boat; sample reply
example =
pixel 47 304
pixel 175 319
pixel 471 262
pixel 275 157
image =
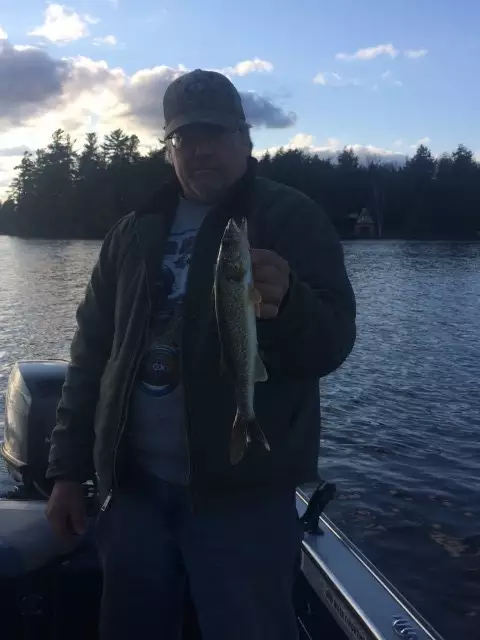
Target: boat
pixel 51 590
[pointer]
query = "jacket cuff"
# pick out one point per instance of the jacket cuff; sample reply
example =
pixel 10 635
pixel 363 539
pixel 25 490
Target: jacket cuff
pixel 56 471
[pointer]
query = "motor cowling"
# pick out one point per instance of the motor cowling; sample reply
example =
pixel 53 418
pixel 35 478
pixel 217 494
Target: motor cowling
pixel 33 392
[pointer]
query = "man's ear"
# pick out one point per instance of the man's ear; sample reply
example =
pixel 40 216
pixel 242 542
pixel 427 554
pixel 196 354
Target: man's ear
pixel 168 153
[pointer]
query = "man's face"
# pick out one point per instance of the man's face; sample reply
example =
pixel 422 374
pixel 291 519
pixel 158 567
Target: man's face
pixel 208 160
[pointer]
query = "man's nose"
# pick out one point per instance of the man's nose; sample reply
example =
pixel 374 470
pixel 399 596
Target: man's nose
pixel 203 146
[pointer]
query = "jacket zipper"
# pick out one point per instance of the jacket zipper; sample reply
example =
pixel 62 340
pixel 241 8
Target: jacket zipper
pixel 186 404
pixel 106 504
pixel 187 420
pixel 185 425
pixel 108 499
pixel 186 412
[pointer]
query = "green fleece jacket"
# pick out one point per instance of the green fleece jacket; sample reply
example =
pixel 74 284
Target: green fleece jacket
pixel 311 337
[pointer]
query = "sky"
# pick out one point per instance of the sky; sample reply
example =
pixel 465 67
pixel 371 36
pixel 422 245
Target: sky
pixel 379 76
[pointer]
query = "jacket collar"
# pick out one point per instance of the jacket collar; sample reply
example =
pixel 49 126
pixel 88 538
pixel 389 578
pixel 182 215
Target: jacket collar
pixel 155 219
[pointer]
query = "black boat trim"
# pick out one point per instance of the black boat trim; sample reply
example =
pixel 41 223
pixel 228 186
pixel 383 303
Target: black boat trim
pixel 323 494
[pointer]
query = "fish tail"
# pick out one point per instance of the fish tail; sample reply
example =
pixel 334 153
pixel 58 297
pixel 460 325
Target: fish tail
pixel 239 439
pixel 255 432
pixel 244 431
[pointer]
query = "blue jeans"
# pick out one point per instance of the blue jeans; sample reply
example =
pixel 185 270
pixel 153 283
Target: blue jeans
pixel 239 563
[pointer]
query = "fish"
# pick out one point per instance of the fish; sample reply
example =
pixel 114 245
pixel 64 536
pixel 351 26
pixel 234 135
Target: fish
pixel 236 300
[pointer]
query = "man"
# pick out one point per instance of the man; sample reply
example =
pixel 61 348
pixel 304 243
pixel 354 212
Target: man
pixel 146 394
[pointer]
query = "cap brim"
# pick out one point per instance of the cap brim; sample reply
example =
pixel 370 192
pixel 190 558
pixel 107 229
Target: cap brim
pixel 228 122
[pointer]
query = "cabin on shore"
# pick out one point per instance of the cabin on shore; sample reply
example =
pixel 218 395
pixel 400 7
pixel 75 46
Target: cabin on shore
pixel 362 224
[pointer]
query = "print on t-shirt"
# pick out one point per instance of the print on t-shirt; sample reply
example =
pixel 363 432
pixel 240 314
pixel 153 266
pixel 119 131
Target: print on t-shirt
pixel 160 370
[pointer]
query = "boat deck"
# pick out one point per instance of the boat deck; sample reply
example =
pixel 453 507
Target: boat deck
pixel 44 586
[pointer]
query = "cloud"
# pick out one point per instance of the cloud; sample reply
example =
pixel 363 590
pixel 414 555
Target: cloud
pixel 35 82
pixel 81 94
pixel 261 111
pixel 24 47
pixel 423 141
pixel 7 172
pixel 143 95
pixel 62 24
pixel 248 66
pixel 335 80
pixel 301 141
pixel 3 34
pixel 333 146
pixel 415 53
pixel 332 79
pixel 370 53
pixel 13 151
pixel 387 76
pixel 40 83
pixel 398 143
pixel 107 40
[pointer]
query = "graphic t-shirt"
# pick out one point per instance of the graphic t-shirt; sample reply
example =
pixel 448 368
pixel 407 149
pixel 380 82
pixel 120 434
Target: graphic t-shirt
pixel 158 433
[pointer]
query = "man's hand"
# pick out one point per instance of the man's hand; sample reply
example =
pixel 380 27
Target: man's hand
pixel 66 510
pixel 271 275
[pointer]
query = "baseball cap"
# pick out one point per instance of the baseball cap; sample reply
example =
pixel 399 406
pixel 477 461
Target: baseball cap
pixel 202 97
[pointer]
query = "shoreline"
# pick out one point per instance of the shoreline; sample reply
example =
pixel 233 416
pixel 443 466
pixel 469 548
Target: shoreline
pixel 406 238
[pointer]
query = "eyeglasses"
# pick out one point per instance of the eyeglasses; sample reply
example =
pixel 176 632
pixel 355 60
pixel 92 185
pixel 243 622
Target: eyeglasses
pixel 193 137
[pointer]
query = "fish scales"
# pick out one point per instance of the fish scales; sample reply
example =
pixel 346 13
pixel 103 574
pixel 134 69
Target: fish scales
pixel 236 321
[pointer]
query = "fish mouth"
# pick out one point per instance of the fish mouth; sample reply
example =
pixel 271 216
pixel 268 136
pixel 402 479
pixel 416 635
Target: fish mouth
pixel 232 226
pixel 231 233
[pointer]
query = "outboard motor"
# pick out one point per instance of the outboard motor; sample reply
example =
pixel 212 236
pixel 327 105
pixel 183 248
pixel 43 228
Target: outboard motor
pixel 33 392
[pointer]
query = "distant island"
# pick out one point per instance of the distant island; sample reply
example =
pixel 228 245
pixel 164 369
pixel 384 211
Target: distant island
pixel 59 192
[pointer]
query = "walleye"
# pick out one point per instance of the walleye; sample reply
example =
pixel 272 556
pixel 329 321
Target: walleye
pixel 235 300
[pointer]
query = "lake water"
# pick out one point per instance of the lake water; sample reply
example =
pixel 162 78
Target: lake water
pixel 401 434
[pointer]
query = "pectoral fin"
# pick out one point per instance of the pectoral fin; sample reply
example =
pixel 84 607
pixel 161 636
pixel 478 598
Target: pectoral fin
pixel 255 296
pixel 256 299
pixel 261 374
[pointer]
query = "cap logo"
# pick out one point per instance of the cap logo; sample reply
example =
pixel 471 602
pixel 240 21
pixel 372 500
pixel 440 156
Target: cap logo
pixel 196 92
pixel 205 92
pixel 195 87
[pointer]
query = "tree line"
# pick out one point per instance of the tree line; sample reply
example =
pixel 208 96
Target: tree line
pixel 60 192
